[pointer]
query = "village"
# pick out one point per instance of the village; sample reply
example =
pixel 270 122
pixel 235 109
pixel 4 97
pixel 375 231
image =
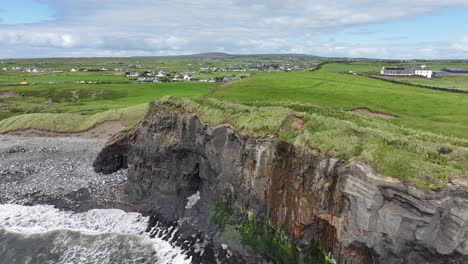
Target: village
pixel 136 73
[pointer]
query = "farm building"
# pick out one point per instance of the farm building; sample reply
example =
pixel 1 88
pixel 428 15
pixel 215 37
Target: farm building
pixel 226 80
pixel 424 71
pixel 188 77
pixel 456 70
pixel 400 71
pixel 161 74
pixel 148 79
pixel 133 74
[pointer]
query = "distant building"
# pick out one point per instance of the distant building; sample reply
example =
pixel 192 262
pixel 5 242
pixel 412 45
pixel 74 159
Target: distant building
pixel 178 77
pixel 148 79
pixel 226 80
pixel 188 77
pixel 73 70
pixel 119 72
pixel 424 71
pixel 401 71
pixel 161 74
pixel 456 70
pixel 133 74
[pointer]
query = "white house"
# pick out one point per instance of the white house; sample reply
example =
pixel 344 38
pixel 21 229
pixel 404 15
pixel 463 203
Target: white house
pixel 424 71
pixel 400 71
pixel 188 77
pixel 161 74
pixel 73 70
pixel 133 74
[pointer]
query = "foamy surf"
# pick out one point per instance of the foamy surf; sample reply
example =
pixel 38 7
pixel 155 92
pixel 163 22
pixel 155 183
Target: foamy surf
pixel 44 234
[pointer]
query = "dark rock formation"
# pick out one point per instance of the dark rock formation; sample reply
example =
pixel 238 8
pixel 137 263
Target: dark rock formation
pixel 358 215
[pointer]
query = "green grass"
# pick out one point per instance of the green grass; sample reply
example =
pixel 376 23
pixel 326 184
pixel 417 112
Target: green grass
pixel 67 122
pixel 74 108
pixel 427 110
pixel 376 66
pixel 152 63
pixel 91 98
pixel 419 158
pixel 17 77
pixel 426 146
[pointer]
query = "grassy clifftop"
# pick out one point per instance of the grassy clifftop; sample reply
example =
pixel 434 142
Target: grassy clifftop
pixel 70 122
pixel 419 158
pixel 427 110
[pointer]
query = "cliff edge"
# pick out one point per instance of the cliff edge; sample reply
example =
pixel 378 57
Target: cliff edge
pixel 180 169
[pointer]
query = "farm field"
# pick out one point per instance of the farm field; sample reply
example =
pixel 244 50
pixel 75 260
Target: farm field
pixel 47 77
pixel 427 110
pixel 348 116
pixel 417 108
pixel 374 67
pixel 89 99
pixel 90 85
pixel 174 63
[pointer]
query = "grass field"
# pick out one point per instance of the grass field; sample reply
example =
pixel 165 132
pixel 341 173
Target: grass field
pixel 72 122
pixel 425 144
pixel 427 110
pixel 181 63
pixel 17 77
pixel 90 99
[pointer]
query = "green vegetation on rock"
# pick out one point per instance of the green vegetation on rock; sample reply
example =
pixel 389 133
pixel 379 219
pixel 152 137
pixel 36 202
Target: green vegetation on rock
pixel 264 238
pixel 423 159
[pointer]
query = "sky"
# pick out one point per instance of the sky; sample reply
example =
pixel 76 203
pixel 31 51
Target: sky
pixel 398 29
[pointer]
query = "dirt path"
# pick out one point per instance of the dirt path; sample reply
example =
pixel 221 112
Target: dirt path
pixel 368 112
pixel 102 130
pixel 9 94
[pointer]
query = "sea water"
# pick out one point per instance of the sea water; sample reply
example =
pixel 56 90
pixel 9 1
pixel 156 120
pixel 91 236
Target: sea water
pixel 42 234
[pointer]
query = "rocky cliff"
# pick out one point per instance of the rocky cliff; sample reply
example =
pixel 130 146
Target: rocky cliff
pixel 178 168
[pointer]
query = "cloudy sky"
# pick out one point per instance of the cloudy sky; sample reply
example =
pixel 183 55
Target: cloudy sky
pixel 403 29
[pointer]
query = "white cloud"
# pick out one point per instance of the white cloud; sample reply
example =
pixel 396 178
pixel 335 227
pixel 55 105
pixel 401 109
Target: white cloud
pixel 31 38
pixel 153 27
pixel 461 45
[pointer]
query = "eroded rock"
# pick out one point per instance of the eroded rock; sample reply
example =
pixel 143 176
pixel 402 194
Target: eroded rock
pixel 357 214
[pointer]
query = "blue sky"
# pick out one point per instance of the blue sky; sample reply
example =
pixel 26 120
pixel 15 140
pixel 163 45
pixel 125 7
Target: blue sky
pixel 360 28
pixel 440 25
pixel 25 11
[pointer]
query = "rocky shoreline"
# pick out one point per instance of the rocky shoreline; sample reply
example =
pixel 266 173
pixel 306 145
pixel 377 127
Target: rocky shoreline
pixel 58 171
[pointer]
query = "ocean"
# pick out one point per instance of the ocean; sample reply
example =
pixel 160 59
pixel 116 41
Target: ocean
pixel 42 234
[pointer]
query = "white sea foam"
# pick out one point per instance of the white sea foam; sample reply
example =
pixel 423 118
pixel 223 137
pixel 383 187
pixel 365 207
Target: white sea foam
pixel 94 232
pixel 192 200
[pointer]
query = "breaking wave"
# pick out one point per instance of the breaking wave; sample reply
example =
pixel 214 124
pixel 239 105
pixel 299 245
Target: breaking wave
pixel 43 234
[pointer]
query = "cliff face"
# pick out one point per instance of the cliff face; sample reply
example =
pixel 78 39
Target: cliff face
pixel 358 215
